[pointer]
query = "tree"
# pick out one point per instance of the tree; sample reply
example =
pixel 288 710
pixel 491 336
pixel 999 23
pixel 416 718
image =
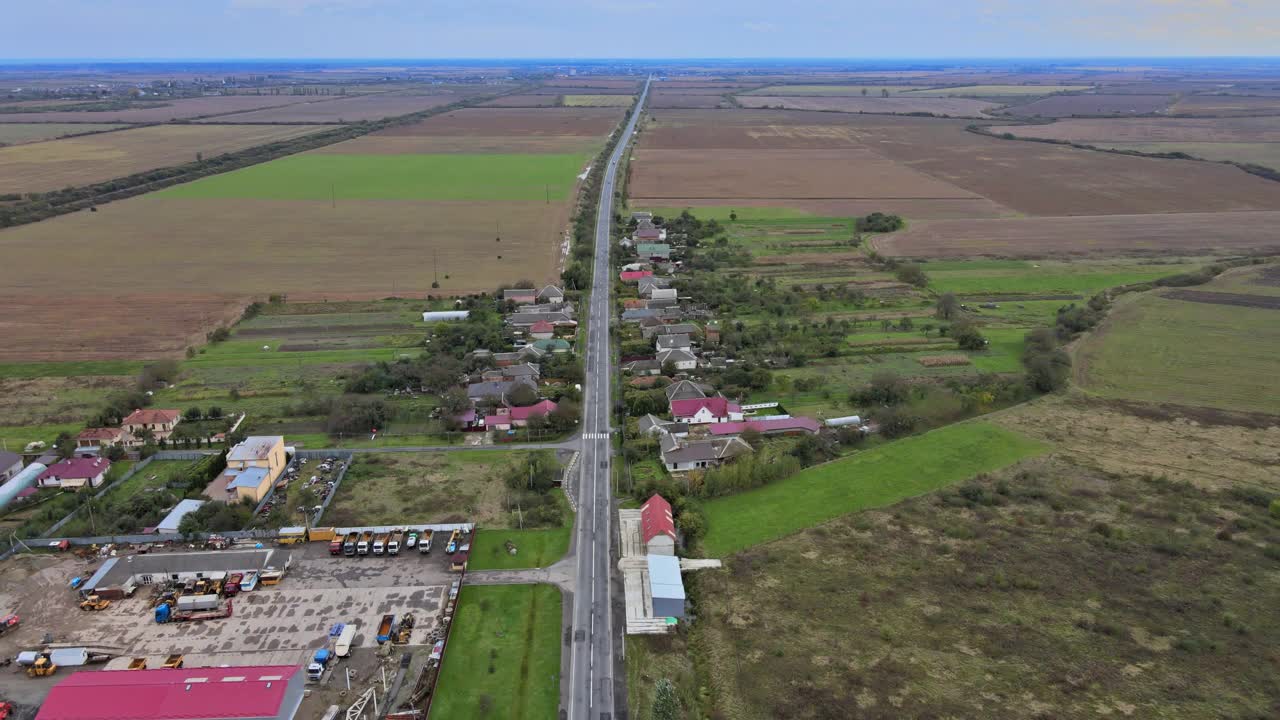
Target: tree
pixel 948 306
pixel 666 706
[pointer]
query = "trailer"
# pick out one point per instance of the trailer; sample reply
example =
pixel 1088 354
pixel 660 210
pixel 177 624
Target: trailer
pixel 342 648
pixel 364 543
pixel 349 544
pixel 424 542
pixel 385 627
pixel 395 542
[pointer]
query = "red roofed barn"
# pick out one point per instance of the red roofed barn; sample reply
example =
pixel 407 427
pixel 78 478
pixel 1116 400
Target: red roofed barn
pixel 657 527
pixel 250 692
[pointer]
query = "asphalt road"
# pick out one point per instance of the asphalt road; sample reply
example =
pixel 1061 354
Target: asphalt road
pixel 591 662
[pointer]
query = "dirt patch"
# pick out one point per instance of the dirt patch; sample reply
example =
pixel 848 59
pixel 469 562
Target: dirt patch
pixel 1221 298
pixel 1184 233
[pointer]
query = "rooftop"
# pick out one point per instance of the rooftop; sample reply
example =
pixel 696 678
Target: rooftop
pixel 247 691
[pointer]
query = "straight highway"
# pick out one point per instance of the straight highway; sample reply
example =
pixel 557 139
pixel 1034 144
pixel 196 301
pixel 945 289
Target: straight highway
pixel 591 677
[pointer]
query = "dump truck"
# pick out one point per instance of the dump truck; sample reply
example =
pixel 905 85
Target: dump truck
pixel 349 545
pixel 452 547
pixel 319 662
pixel 385 627
pixel 380 543
pixel 394 542
pixel 364 543
pixel 424 542
pixel 93 602
pixel 292 535
pixel 342 648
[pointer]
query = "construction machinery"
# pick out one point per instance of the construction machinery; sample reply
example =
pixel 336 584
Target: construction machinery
pixel 93 602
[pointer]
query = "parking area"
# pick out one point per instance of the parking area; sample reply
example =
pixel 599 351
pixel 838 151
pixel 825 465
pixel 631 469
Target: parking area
pixel 279 624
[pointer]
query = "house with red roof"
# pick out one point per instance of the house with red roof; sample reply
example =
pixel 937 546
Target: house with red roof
pixel 542 330
pixel 244 692
pixel 769 426
pixel 657 527
pixel 705 411
pixel 633 276
pixel 159 423
pixel 75 473
pixel 507 418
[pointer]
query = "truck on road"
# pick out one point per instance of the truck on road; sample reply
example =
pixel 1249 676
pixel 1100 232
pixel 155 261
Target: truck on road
pixel 363 544
pixel 385 627
pixel 395 542
pixel 342 648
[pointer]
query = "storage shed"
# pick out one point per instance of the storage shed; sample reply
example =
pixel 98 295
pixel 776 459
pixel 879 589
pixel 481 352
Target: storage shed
pixel 665 586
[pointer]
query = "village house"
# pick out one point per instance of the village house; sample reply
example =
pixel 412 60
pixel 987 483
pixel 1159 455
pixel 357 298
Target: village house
pixel 94 440
pixel 253 466
pixel 506 418
pixel 159 423
pixel 705 411
pixel 74 473
pixel 679 358
pixel 658 526
pixel 684 455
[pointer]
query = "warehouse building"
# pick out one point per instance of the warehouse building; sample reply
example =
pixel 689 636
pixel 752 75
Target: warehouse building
pixel 665 586
pixel 253 692
pixel 120 576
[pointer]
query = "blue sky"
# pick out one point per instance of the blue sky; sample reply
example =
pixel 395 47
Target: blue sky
pixel 639 28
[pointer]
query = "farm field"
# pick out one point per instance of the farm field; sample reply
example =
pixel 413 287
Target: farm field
pixel 872 478
pixel 56 164
pixel 1227 105
pixel 1162 347
pixel 926 609
pixel 382 489
pixel 597 100
pixel 997 90
pixel 1138 130
pixel 163 111
pixel 515 630
pixel 15 133
pixel 1185 234
pixel 319 176
pixel 959 107
pixel 1069 105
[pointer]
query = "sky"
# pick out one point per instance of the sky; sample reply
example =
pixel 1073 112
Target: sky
pixel 231 29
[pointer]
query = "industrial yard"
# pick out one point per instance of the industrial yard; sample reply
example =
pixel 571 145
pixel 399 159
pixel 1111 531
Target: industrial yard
pixel 282 624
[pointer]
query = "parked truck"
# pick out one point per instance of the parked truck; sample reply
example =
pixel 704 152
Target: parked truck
pixel 364 543
pixel 319 662
pixel 424 542
pixel 380 543
pixel 349 544
pixel 385 627
pixel 395 541
pixel 342 648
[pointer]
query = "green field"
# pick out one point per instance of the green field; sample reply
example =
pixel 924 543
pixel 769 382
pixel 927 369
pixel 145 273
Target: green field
pixel 13 133
pixel 990 90
pixel 534 548
pixel 984 277
pixel 1156 349
pixel 874 478
pixel 1266 154
pixel 321 176
pixel 503 656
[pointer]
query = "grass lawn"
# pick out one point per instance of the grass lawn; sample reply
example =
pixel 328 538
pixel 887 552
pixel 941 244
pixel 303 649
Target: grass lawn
pixel 873 478
pixel 503 656
pixel 1156 349
pixel 417 488
pixel 396 177
pixel 535 548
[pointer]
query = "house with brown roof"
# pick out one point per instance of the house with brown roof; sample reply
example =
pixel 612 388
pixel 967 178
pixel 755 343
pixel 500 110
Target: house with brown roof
pixel 159 423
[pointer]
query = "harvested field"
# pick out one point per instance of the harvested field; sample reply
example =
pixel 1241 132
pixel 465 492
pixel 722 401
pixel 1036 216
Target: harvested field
pixel 347 110
pixel 1144 130
pixel 180 109
pixel 14 133
pixel 1069 105
pixel 513 122
pixel 943 360
pixel 1184 234
pixel 1227 105
pixel 1221 298
pixel 220 253
pixel 661 100
pixel 771 174
pixel 959 107
pixel 598 100
pixel 56 164
pixel 523 101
